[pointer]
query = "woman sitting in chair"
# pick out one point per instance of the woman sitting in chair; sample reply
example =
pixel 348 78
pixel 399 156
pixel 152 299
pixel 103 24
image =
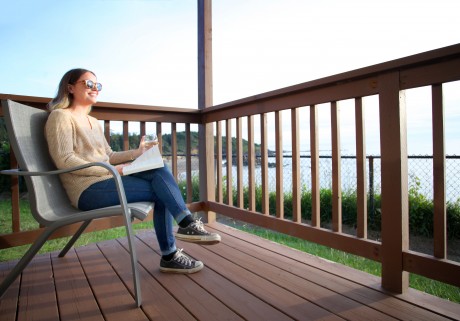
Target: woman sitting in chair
pixel 75 138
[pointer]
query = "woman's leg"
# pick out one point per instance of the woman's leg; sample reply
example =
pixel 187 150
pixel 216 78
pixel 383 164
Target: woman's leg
pixel 159 186
pixel 165 188
pixel 103 194
pixel 163 225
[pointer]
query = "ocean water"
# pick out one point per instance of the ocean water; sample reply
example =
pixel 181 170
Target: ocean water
pixel 420 175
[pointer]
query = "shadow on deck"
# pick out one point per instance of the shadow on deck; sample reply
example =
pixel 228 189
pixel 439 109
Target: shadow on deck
pixel 245 277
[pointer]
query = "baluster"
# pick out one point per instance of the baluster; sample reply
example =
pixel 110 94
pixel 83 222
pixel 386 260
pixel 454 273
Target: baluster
pixel 251 165
pixel 229 162
pixel 315 184
pixel 361 169
pixel 279 165
pixel 219 161
pixel 264 164
pixel 439 174
pixel 336 169
pixel 296 188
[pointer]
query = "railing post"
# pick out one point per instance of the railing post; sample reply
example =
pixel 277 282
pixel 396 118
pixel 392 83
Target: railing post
pixel 393 145
pixel 205 131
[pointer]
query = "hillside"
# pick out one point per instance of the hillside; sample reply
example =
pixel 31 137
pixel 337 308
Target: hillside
pixel 116 142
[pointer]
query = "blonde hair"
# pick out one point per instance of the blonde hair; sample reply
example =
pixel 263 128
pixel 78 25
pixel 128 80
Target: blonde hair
pixel 64 97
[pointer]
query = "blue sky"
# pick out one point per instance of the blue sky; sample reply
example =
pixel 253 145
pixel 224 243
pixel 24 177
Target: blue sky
pixel 144 51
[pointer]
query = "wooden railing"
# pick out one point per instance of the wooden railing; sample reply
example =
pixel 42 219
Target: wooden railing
pixel 108 112
pixel 388 81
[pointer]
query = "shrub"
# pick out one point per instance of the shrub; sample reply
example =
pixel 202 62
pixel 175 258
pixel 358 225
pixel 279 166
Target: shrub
pixel 453 219
pixel 420 209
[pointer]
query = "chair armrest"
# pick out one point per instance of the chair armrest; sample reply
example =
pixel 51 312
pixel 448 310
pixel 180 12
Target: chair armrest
pixel 111 168
pixel 20 172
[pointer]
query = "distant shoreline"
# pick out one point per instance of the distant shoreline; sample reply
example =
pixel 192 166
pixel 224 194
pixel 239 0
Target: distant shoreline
pixel 181 163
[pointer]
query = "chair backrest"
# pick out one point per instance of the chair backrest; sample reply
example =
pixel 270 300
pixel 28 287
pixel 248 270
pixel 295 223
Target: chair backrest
pixel 26 132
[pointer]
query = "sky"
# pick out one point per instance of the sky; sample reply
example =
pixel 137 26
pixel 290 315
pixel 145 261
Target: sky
pixel 145 51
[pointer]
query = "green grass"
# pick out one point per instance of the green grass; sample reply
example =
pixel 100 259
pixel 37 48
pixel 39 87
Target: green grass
pixel 436 288
pixel 28 223
pixel 58 244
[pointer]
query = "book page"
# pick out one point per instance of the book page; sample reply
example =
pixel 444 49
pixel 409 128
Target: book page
pixel 149 160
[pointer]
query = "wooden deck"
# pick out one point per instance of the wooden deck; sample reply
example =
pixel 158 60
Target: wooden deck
pixel 245 278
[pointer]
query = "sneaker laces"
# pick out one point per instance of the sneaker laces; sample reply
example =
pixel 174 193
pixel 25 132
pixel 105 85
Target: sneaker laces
pixel 182 258
pixel 199 225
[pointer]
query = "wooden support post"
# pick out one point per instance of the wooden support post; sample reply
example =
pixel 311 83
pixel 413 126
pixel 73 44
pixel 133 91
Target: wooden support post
pixel 394 203
pixel 205 131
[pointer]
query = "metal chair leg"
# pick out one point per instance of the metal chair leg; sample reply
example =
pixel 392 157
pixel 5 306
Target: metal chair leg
pixel 74 238
pixel 28 256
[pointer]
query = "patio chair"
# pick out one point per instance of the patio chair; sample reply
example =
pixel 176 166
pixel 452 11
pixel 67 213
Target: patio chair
pixel 49 203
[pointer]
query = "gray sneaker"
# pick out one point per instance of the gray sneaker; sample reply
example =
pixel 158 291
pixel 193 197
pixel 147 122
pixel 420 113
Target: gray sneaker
pixel 196 233
pixel 181 263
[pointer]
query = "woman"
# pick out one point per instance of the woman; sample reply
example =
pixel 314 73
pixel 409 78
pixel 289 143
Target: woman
pixel 75 138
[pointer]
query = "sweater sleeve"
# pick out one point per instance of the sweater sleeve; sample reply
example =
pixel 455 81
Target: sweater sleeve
pixel 114 157
pixel 61 134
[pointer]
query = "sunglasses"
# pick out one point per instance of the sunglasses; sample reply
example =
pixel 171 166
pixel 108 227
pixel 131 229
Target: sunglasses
pixel 92 85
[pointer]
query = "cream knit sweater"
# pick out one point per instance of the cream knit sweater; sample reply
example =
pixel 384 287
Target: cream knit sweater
pixel 71 144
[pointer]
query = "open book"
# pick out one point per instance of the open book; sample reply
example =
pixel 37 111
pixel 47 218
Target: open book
pixel 149 160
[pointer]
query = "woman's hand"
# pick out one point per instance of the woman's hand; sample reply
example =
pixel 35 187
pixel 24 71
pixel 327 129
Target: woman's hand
pixel 119 168
pixel 145 144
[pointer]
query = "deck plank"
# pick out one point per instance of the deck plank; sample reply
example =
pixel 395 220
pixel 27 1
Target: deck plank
pixel 287 259
pixel 37 300
pixel 247 305
pixel 115 301
pixel 201 304
pixel 9 302
pixel 75 298
pixel 290 303
pixel 162 305
pixel 313 292
pixel 245 278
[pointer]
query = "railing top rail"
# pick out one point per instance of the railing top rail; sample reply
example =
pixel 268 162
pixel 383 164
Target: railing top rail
pixel 119 111
pixel 425 58
pixel 44 100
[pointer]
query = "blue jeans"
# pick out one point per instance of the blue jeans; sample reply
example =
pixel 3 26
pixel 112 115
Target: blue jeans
pixel 157 185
